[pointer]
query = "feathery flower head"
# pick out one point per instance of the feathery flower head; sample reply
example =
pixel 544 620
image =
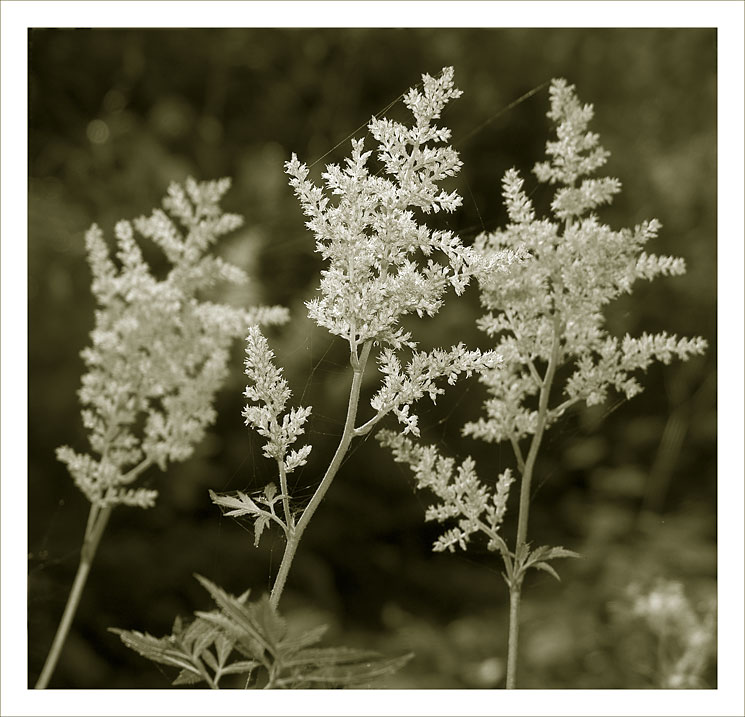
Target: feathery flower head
pixel 158 353
pixel 381 263
pixel 551 301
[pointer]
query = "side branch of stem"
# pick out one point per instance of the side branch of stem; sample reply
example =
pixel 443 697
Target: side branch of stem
pixel 518 454
pixel 295 534
pixel 285 495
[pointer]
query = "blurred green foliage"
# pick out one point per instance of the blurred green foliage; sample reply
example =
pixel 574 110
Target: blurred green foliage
pixel 115 115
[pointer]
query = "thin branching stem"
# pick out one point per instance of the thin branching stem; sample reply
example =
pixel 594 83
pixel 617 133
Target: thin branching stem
pixel 295 534
pixel 272 515
pixel 562 407
pixel 131 475
pixel 518 453
pixel 515 584
pixel 365 428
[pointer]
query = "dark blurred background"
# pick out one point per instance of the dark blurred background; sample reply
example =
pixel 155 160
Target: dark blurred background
pixel 115 115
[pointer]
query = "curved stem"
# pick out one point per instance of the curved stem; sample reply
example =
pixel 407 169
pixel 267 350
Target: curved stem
pixel 133 473
pixel 365 428
pixel 518 453
pixel 535 444
pixel 97 519
pixel 522 521
pixel 272 515
pixel 296 533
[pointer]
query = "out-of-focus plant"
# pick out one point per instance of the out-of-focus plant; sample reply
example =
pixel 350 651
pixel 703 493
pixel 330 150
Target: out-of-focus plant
pixel 683 638
pixel 545 311
pixel 158 355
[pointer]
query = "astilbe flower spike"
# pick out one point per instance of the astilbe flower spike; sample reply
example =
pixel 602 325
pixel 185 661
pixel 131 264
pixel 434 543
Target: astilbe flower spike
pixel 551 303
pixel 545 311
pixel 381 263
pixel 380 257
pixel 158 355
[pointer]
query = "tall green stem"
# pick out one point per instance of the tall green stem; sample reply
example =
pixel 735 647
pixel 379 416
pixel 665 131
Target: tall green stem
pixel 516 582
pixel 296 533
pixel 513 638
pixel 97 520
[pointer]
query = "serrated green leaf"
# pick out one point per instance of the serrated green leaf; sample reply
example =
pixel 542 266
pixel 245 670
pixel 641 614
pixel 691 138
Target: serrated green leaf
pixel 178 626
pixel 247 640
pixel 209 658
pixel 547 568
pixel 339 667
pixel 329 656
pixel 270 491
pixel 546 552
pixel 261 522
pixel 240 667
pixel 198 636
pixel 540 553
pixel 522 553
pixel 305 639
pixel 164 650
pixel 274 626
pixel 237 620
pixel 559 552
pixel 223 648
pixel 242 505
pixel 186 677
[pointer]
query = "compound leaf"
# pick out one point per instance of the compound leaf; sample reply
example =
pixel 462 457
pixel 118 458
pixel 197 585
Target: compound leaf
pixel 547 568
pixel 164 650
pixel 185 677
pixel 293 644
pixel 242 505
pixel 338 667
pixel 240 667
pixel 261 522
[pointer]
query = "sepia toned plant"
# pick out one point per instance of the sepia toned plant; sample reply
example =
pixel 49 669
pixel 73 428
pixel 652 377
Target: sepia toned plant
pixel 545 313
pixel 382 263
pixel 158 356
pixel 159 353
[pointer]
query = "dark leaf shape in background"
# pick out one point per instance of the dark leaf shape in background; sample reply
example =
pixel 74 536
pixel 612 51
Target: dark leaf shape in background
pixel 257 631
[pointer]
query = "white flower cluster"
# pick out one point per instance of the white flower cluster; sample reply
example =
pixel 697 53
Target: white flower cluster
pixel 158 354
pixel 614 361
pixel 464 497
pixel 550 302
pixel 576 153
pixel 544 283
pixel 380 257
pixel 383 264
pixel 270 390
pixel 686 635
pixel 402 386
